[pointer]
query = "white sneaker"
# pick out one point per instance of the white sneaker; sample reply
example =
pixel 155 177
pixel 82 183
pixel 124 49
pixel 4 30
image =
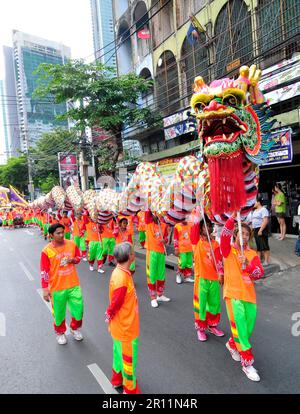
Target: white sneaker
pixel 91 268
pixel 100 270
pixel 162 298
pixel 251 373
pixel 77 334
pixel 84 259
pixel 61 339
pixel 189 280
pixel 234 352
pixel 178 279
pixel 154 303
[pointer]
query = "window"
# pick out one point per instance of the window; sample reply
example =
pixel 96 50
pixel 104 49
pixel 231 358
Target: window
pixel 167 89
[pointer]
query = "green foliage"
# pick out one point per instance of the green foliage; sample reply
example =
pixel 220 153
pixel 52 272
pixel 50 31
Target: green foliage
pixel 15 172
pixel 107 101
pixel 48 183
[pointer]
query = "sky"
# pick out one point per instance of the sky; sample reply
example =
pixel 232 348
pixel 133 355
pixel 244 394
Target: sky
pixel 65 21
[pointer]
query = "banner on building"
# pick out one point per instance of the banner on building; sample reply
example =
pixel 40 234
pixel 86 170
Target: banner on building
pixel 168 166
pixel 68 170
pixel 144 34
pixel 179 124
pixel 282 150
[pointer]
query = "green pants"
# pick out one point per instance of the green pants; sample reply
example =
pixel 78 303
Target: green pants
pixel 46 228
pixel 95 250
pixel 185 260
pixel 207 303
pixel 73 299
pixel 132 266
pixel 142 236
pixel 67 235
pixel 80 243
pixel 242 317
pixel 109 244
pixel 155 266
pixel 125 356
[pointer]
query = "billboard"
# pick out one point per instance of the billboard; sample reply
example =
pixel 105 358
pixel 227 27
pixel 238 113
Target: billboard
pixel 282 150
pixel 68 170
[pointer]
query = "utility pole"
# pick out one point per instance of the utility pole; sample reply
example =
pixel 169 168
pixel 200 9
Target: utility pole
pixel 83 163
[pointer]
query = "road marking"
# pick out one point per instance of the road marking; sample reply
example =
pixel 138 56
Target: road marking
pixel 26 271
pixel 29 232
pixel 2 325
pixel 102 380
pixel 49 306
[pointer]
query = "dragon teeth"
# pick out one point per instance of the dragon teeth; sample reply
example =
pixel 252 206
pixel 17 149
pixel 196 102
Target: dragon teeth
pixel 208 122
pixel 224 121
pixel 224 136
pixel 243 128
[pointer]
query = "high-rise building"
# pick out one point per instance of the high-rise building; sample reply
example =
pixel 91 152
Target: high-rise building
pixel 10 103
pixel 4 132
pixel 103 31
pixel 36 115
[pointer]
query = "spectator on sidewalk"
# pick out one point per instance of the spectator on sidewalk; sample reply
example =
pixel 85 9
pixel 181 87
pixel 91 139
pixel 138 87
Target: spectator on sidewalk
pixel 280 209
pixel 122 315
pixel 259 222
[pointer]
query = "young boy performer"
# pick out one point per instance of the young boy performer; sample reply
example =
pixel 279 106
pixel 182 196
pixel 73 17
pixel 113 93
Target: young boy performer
pixel 184 252
pixel 109 243
pixel 94 239
pixel 208 276
pixel 66 221
pixel 141 228
pixel 60 282
pixel 79 240
pixel 156 239
pixel 122 315
pixel 123 234
pixel 239 273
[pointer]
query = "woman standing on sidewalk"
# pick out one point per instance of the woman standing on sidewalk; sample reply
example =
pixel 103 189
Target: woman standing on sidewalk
pixel 260 221
pixel 280 209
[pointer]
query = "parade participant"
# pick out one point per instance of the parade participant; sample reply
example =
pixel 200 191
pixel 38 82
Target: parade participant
pixel 156 239
pixel 10 219
pixel 123 234
pixel 122 315
pixel 184 252
pixel 79 240
pixel 46 224
pixel 60 282
pixel 240 270
pixel 141 228
pixel 208 276
pixel 94 239
pixel 109 243
pixel 130 224
pixel 66 221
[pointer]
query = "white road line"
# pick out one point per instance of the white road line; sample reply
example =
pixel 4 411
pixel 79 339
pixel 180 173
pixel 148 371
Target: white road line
pixel 29 232
pixel 26 271
pixel 49 306
pixel 2 325
pixel 102 379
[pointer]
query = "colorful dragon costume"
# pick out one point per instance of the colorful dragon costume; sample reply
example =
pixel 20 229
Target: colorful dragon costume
pixel 235 137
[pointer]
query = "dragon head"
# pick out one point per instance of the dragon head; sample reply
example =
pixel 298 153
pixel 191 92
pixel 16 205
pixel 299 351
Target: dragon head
pixel 230 133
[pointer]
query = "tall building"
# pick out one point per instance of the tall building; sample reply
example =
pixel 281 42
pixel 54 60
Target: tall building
pixel 36 116
pixel 4 132
pixel 103 31
pixel 10 102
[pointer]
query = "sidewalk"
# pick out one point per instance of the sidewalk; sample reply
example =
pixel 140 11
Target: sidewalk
pixel 282 256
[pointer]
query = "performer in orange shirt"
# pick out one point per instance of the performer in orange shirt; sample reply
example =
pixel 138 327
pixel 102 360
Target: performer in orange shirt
pixel 122 315
pixel 66 221
pixel 240 270
pixel 109 243
pixel 156 238
pixel 60 282
pixel 208 276
pixel 10 219
pixel 184 252
pixel 78 239
pixel 141 228
pixel 94 239
pixel 123 234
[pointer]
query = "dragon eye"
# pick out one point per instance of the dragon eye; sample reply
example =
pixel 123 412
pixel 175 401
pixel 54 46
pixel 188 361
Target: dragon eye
pixel 199 107
pixel 231 100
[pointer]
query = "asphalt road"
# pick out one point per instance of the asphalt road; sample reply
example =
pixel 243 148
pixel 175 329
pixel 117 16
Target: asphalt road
pixel 171 360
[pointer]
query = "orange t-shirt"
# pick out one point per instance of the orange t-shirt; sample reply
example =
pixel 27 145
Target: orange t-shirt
pixel 142 224
pixel 77 224
pixel 61 276
pixel 125 324
pixel 184 240
pixel 124 236
pixel 108 230
pixel 65 221
pixel 130 223
pixel 204 263
pixel 237 284
pixel 93 233
pixel 154 237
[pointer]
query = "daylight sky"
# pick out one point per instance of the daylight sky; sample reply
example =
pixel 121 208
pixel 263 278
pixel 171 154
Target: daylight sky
pixel 64 21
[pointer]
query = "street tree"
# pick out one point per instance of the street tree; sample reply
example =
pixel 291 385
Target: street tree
pixel 105 100
pixel 15 173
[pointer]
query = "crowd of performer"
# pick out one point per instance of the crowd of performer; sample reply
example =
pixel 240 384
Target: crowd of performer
pixel 208 263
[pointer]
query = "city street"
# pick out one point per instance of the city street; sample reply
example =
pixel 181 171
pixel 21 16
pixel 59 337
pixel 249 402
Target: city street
pixel 171 359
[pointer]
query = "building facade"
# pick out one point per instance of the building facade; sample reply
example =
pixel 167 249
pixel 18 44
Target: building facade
pixel 10 102
pixel 235 33
pixel 35 115
pixel 103 31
